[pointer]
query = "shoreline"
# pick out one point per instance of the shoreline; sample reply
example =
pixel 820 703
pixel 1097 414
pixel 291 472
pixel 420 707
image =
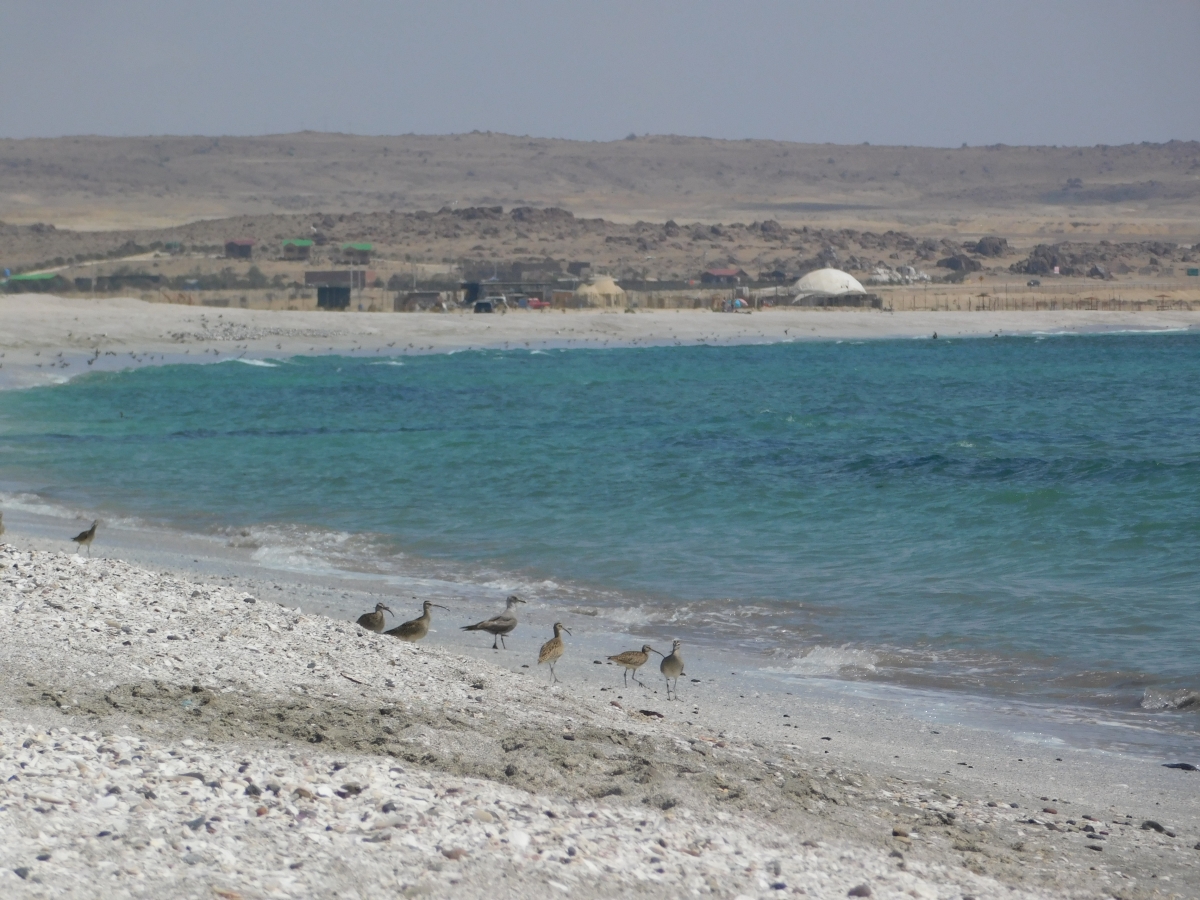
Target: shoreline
pixel 736 788
pixel 49 339
pixel 255 563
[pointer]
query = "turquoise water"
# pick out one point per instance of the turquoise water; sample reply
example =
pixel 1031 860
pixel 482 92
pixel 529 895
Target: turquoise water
pixel 1017 517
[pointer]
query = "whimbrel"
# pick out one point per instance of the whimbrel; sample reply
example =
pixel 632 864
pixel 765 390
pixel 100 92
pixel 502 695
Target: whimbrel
pixel 85 538
pixel 499 625
pixel 415 629
pixel 374 621
pixel 552 650
pixel 632 660
pixel 672 667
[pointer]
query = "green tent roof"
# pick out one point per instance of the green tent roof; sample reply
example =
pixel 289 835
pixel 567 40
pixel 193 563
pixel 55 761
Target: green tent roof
pixel 297 242
pixel 366 248
pixel 35 276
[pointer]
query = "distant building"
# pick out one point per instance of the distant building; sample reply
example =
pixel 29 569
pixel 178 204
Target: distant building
pixel 297 248
pixel 240 248
pixel 357 254
pixel 333 296
pixel 349 278
pixel 724 276
pixel 579 269
pixel 38 282
pixel 833 287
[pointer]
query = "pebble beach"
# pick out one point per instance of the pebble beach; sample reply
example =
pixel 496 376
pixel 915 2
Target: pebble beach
pixel 167 736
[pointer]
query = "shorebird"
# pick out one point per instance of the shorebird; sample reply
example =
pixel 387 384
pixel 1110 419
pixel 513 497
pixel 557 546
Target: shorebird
pixel 672 667
pixel 632 660
pixel 499 625
pixel 374 621
pixel 85 538
pixel 415 629
pixel 552 650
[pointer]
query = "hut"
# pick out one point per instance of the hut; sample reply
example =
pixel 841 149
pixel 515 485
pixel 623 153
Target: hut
pixel 357 253
pixel 601 292
pixel 333 296
pixel 297 248
pixel 36 283
pixel 723 276
pixel 240 248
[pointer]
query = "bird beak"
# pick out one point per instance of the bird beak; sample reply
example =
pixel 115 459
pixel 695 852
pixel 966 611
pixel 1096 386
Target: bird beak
pixel 439 606
pixel 567 630
pixel 389 609
pixel 652 650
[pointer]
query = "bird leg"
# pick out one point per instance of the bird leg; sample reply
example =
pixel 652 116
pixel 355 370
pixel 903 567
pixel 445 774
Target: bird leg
pixel 503 643
pixel 495 638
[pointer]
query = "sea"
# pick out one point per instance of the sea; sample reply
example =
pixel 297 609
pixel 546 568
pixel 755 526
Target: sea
pixel 1009 522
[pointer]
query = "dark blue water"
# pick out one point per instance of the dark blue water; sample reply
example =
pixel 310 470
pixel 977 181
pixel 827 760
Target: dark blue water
pixel 1018 516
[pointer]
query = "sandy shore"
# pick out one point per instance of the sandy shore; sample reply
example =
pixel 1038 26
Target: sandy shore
pixel 47 339
pixel 164 733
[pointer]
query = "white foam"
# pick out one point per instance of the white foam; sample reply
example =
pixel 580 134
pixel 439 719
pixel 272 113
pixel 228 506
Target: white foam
pixel 261 363
pixel 826 661
pixel 1184 698
pixel 387 362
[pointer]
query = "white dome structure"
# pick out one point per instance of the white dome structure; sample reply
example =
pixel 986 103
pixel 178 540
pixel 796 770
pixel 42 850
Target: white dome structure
pixel 828 281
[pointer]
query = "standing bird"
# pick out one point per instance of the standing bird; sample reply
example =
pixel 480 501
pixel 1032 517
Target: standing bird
pixel 672 667
pixel 374 621
pixel 501 624
pixel 552 650
pixel 85 538
pixel 415 629
pixel 632 660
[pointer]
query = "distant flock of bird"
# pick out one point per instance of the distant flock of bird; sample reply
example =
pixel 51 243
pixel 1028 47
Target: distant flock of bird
pixel 414 630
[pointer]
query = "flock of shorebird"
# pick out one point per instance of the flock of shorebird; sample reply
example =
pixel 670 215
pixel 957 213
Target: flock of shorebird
pixel 414 630
pixel 671 666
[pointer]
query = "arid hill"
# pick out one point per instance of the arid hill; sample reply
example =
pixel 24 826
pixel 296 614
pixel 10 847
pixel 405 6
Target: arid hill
pixel 541 243
pixel 1034 192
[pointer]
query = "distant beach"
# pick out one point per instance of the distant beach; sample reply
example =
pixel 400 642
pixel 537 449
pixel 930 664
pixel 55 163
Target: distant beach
pixel 48 339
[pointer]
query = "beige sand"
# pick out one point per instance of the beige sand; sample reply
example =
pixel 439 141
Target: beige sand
pixel 46 339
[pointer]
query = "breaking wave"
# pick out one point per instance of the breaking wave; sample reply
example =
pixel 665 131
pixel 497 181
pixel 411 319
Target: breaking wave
pixel 1183 698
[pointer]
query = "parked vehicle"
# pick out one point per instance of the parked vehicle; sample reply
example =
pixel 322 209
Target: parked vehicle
pixel 484 306
pixel 1033 282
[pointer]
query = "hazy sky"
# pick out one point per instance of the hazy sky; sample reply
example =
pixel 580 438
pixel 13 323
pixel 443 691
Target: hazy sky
pixel 933 72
